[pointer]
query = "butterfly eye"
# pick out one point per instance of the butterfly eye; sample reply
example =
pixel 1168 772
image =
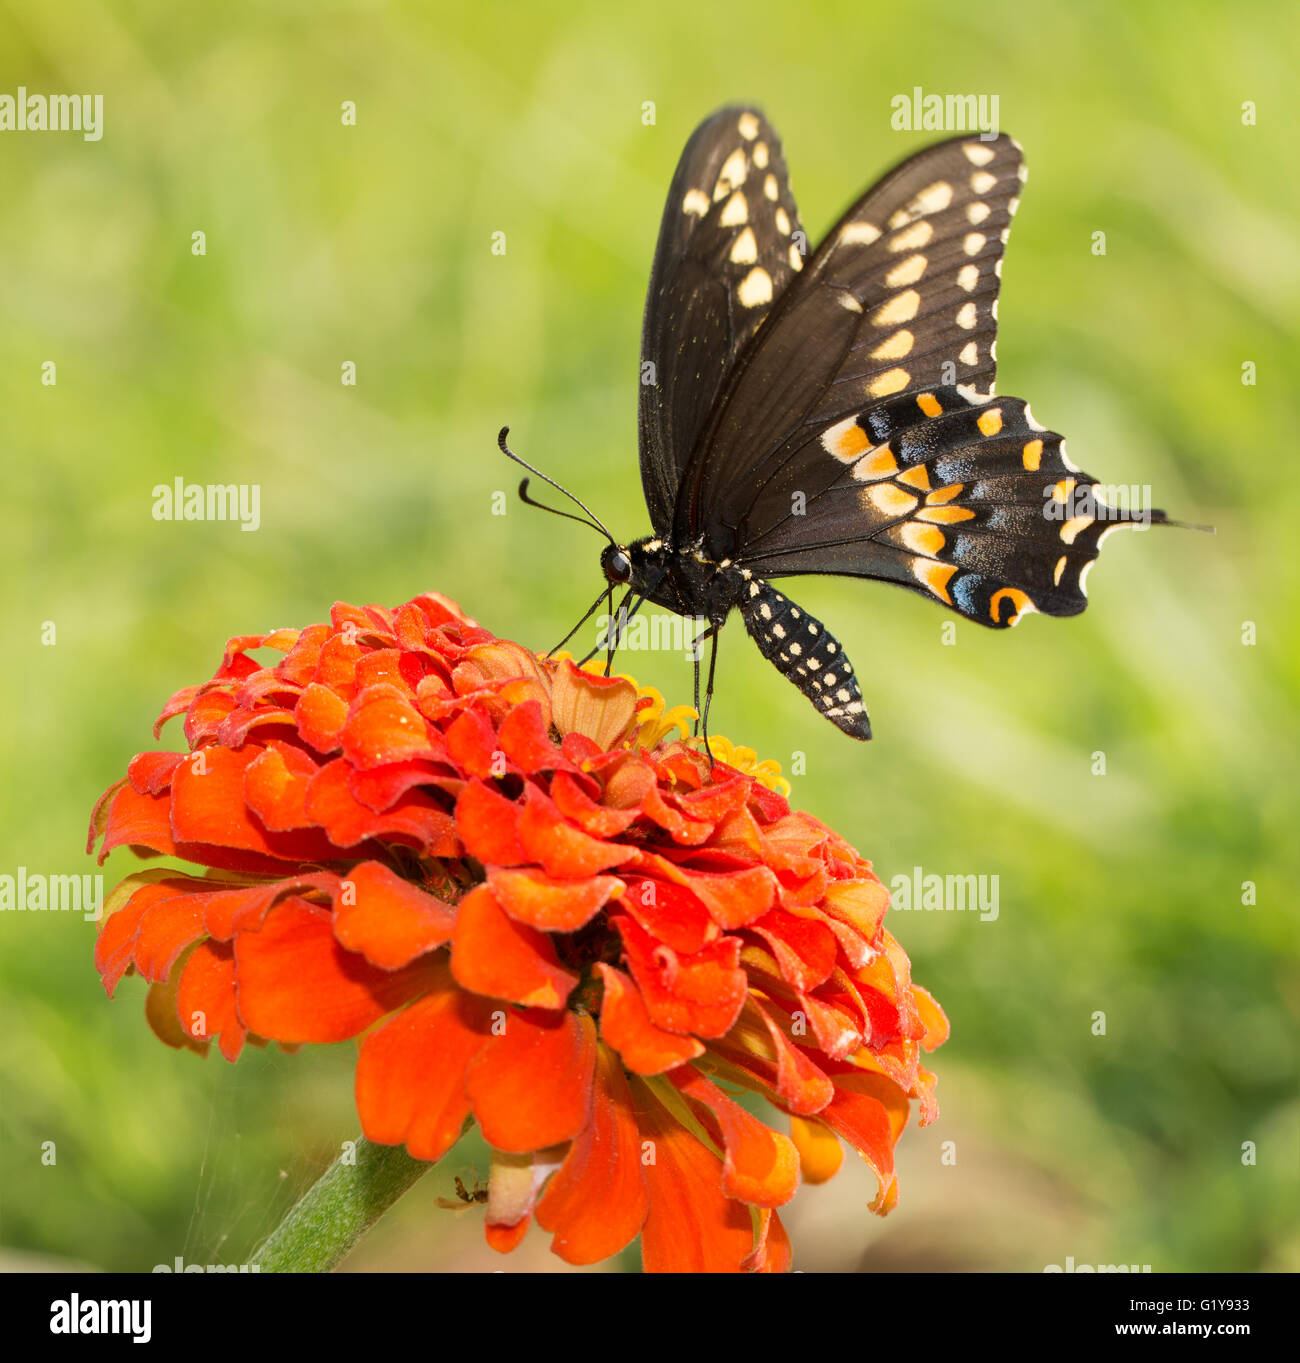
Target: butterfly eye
pixel 617 565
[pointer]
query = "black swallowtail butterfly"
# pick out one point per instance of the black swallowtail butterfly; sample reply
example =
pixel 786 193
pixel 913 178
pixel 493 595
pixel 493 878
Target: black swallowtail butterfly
pixel 834 413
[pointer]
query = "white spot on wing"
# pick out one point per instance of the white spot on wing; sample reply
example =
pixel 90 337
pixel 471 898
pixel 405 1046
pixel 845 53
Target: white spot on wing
pixel 736 211
pixel 745 249
pixel 756 288
pixel 859 234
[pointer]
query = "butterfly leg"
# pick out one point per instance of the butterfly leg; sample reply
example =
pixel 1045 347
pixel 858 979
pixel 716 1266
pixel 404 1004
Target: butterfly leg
pixel 591 610
pixel 708 692
pixel 622 623
pixel 711 632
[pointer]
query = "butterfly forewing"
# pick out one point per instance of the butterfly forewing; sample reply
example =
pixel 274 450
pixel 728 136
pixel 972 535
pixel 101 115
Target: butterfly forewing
pixel 901 296
pixel 729 243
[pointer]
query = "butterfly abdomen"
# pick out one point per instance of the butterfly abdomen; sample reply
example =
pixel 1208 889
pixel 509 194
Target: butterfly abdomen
pixel 803 650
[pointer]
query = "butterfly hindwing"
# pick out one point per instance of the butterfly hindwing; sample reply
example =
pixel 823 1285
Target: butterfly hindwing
pixel 972 503
pixel 900 296
pixel 729 243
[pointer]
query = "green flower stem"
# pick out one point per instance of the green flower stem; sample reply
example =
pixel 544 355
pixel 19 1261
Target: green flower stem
pixel 337 1210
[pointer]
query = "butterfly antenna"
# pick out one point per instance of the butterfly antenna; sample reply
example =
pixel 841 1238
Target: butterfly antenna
pixel 592 520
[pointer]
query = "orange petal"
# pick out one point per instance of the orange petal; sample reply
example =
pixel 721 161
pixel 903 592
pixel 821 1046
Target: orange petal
pixel 820 1153
pixel 860 903
pixel 870 1111
pixel 772 1250
pixel 474 745
pixel 320 715
pixel 297 983
pixel 625 1025
pixel 488 826
pixel 546 836
pixel 761 1166
pixel 208 808
pixel 275 786
pixel 331 803
pixel 933 1018
pixel 136 820
pixel 205 998
pixel 387 919
pixel 597 819
pixel 150 773
pixel 410 1085
pixel 600 708
pixel 531 1085
pixel 494 956
pixel 503 1239
pixel 692 1225
pixel 526 741
pixel 597 1202
pixel 531 896
pixel 700 993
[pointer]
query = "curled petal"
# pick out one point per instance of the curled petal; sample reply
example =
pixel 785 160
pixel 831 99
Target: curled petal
pixel 297 983
pixel 546 836
pixel 531 896
pixel 388 920
pixel 497 957
pixel 597 1202
pixel 692 1225
pixel 410 1085
pixel 205 998
pixel 415 817
pixel 700 993
pixel 820 1153
pixel 625 1025
pixel 603 709
pixel 760 1166
pixel 488 825
pixel 531 1085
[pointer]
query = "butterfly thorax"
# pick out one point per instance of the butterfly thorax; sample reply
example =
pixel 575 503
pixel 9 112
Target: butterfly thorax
pixel 682 580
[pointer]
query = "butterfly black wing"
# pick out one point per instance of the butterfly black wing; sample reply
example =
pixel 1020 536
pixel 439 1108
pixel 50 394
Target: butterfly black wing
pixel 859 435
pixel 900 296
pixel 729 243
pixel 973 503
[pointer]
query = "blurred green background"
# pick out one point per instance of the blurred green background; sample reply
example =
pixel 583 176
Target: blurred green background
pixel 1119 893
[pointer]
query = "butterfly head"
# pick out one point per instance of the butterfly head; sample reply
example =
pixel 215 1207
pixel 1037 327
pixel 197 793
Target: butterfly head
pixel 616 563
pixel 640 565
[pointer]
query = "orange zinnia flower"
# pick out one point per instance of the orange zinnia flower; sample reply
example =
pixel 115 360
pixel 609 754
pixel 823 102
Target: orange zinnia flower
pixel 542 910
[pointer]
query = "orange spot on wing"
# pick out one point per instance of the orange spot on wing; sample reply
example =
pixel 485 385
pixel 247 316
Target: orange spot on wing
pixel 929 404
pixel 944 494
pixel 945 515
pixel 847 441
pixel 879 464
pixel 1018 601
pixel 934 577
pixel 990 422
